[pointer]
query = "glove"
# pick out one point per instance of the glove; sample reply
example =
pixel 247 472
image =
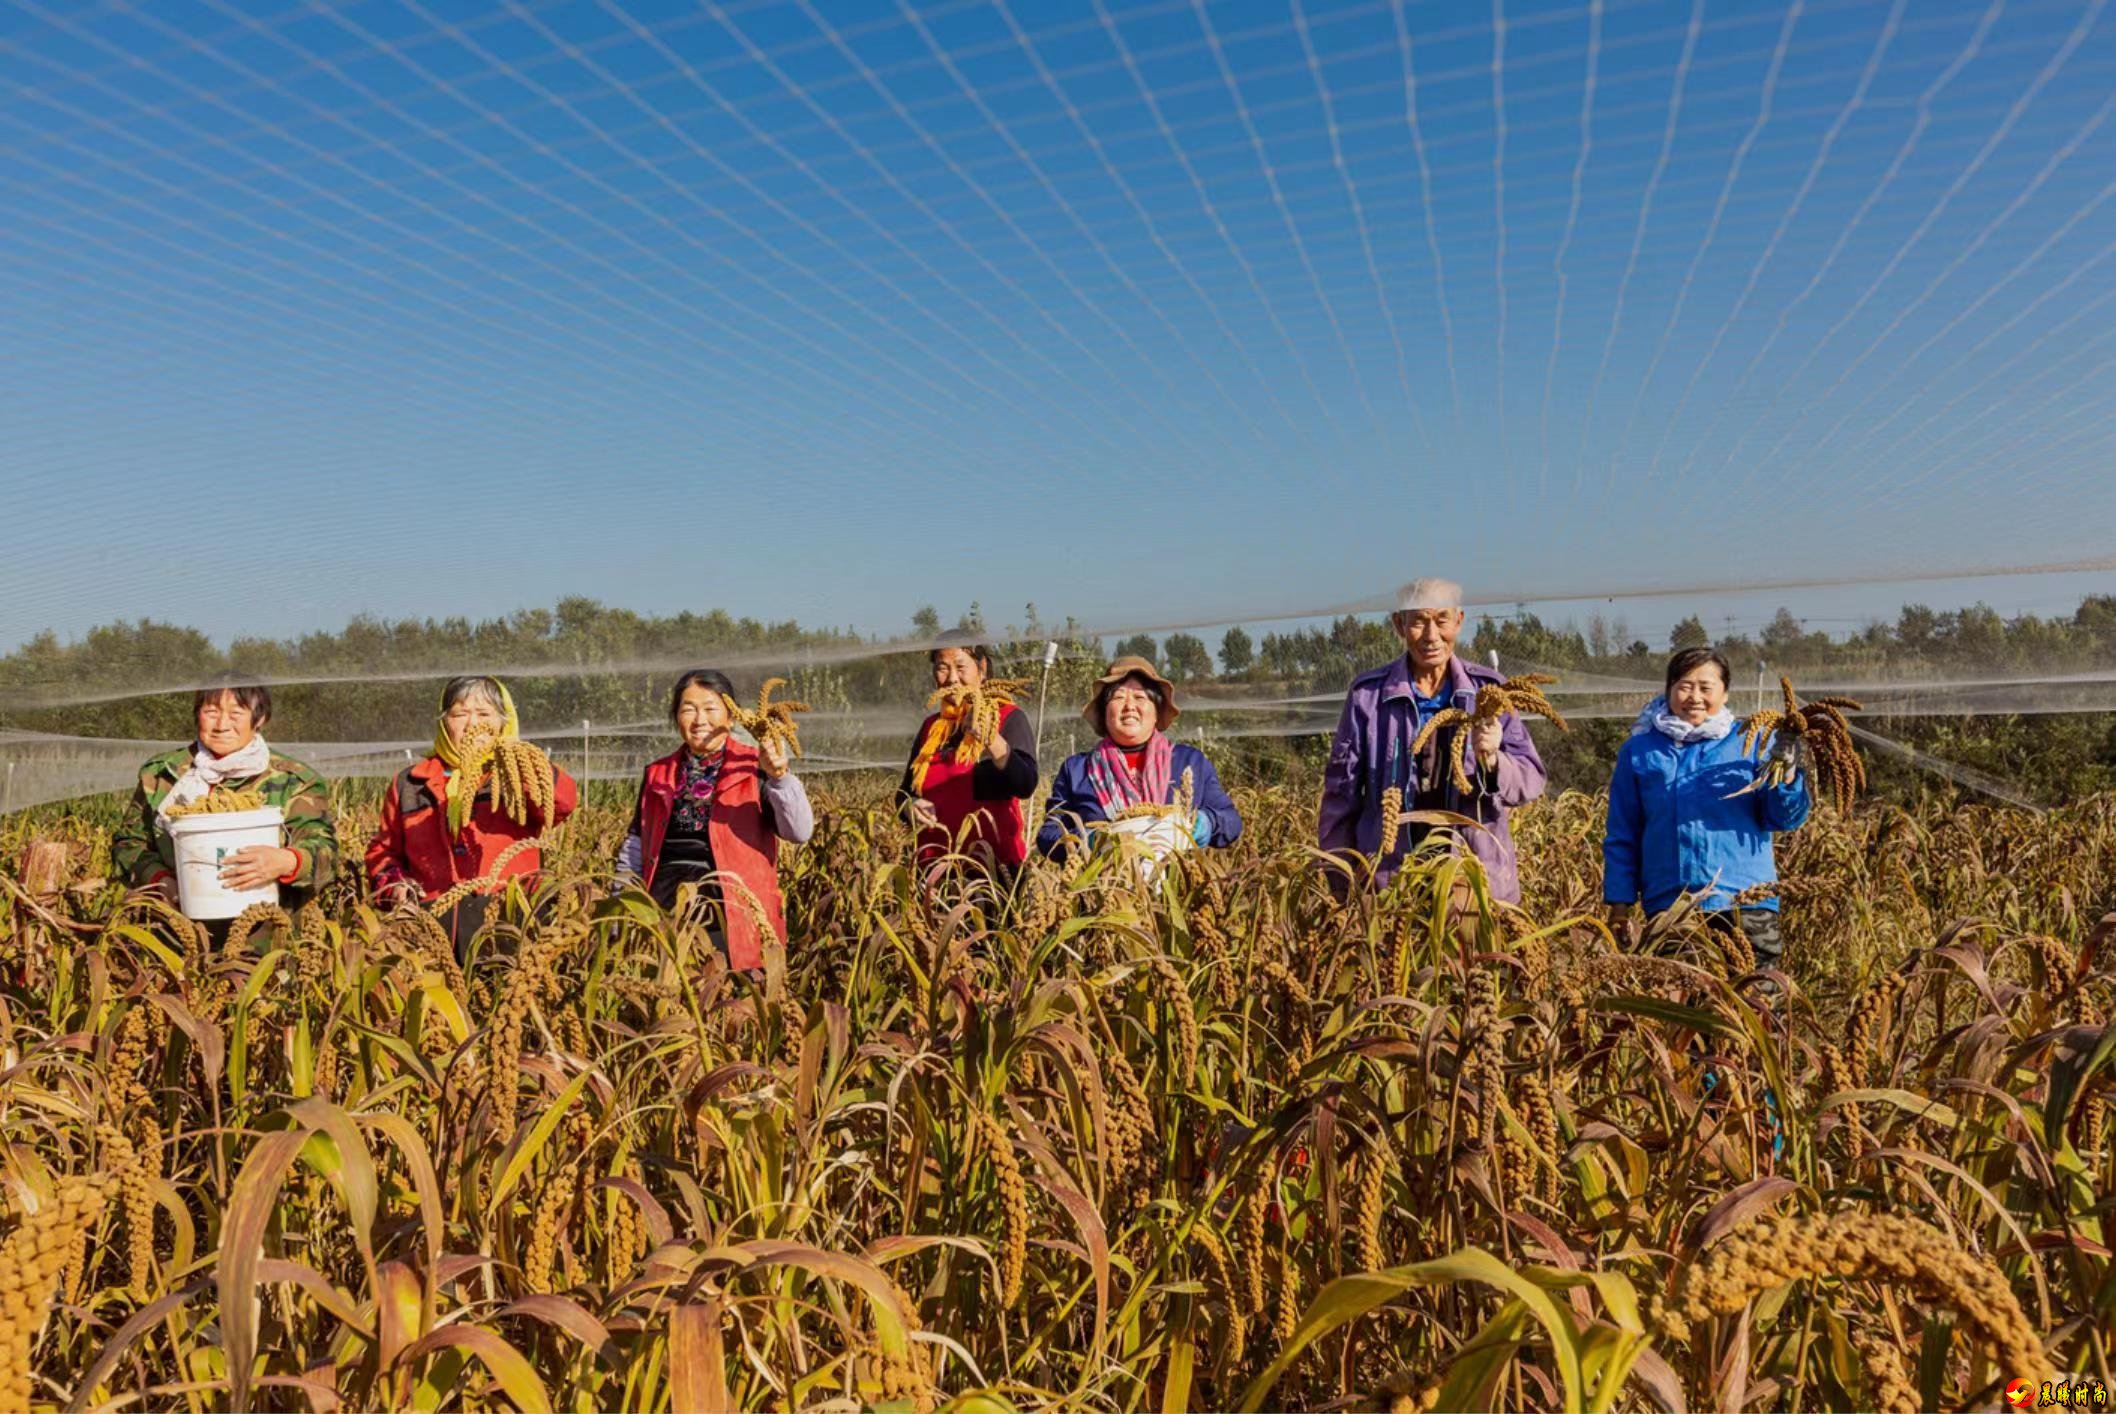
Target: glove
pixel 1201 828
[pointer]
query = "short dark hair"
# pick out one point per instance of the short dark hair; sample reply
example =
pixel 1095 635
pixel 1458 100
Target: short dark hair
pixel 711 679
pixel 248 693
pixel 1689 660
pixel 965 643
pixel 473 685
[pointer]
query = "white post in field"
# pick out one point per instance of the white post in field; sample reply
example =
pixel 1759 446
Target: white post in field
pixel 1043 698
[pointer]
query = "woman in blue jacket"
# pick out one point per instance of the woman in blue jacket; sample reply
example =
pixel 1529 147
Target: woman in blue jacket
pixel 1678 822
pixel 1134 764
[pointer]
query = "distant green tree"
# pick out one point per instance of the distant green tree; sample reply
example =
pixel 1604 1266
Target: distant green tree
pixel 925 622
pixel 1186 657
pixel 1783 631
pixel 1237 652
pixel 1139 645
pixel 1527 640
pixel 1690 633
pixel 1278 655
pixel 2096 614
pixel 1980 633
pixel 1916 626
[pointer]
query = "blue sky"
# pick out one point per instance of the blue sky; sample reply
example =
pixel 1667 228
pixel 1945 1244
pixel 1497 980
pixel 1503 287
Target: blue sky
pixel 1146 312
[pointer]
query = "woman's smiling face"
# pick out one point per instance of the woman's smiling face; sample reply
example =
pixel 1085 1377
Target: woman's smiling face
pixel 954 668
pixel 1698 694
pixel 1130 713
pixel 225 725
pixel 702 717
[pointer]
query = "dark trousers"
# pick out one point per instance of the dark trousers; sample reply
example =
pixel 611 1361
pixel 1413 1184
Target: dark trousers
pixel 1759 926
pixel 463 922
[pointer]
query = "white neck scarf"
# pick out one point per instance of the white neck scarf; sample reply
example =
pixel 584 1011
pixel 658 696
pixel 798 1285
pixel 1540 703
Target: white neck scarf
pixel 1657 718
pixel 207 771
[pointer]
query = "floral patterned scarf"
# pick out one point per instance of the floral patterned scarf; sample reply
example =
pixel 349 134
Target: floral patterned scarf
pixel 1117 787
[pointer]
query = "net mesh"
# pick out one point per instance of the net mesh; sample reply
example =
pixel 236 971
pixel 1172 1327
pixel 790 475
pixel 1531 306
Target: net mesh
pixel 1779 297
pixel 39 767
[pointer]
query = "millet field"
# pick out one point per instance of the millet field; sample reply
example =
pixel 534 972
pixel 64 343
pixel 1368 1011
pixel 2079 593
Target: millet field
pixel 1219 1140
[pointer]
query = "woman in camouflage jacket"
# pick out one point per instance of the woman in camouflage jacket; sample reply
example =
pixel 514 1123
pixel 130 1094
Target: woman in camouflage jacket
pixel 229 754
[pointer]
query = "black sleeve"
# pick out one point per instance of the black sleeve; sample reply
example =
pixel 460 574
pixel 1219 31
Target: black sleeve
pixel 1017 779
pixel 904 794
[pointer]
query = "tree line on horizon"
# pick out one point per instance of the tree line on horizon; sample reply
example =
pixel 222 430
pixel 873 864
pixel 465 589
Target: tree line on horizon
pixel 601 648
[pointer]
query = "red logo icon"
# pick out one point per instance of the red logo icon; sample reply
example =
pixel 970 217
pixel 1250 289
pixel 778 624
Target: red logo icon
pixel 2018 1394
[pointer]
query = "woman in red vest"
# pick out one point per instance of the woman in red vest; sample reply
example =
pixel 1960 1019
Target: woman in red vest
pixel 429 840
pixel 963 794
pixel 712 813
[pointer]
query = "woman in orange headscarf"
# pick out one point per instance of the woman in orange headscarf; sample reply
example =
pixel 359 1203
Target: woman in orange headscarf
pixel 962 793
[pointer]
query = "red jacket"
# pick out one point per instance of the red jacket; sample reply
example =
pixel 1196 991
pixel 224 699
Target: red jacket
pixel 744 848
pixel 413 844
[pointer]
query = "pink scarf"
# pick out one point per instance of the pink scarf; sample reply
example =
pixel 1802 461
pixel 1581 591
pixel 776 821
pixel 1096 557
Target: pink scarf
pixel 1117 787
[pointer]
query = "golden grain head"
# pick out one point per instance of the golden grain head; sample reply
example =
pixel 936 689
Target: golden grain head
pixel 1901 1252
pixel 220 802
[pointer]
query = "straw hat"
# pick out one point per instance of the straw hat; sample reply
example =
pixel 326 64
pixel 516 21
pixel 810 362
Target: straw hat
pixel 1123 668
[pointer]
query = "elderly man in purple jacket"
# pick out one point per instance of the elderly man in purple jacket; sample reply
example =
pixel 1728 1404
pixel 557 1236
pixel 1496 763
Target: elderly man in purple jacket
pixel 1372 749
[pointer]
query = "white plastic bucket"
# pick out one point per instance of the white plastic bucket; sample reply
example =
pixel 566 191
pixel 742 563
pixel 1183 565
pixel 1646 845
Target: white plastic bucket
pixel 203 842
pixel 1151 839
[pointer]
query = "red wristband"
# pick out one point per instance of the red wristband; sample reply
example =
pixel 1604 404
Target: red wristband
pixel 300 862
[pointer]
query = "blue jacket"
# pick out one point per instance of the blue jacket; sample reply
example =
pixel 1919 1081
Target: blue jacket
pixel 1072 804
pixel 1672 830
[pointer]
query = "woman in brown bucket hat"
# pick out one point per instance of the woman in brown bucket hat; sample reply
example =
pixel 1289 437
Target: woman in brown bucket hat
pixel 1134 764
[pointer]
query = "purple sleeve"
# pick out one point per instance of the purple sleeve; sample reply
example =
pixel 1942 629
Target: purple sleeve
pixel 1519 773
pixel 793 819
pixel 1337 821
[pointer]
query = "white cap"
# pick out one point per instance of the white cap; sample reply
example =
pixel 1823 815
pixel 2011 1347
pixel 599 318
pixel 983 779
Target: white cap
pixel 1429 594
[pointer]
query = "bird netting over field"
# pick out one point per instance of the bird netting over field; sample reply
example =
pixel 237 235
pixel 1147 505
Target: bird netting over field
pixel 1170 313
pixel 1161 311
pixel 1181 318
